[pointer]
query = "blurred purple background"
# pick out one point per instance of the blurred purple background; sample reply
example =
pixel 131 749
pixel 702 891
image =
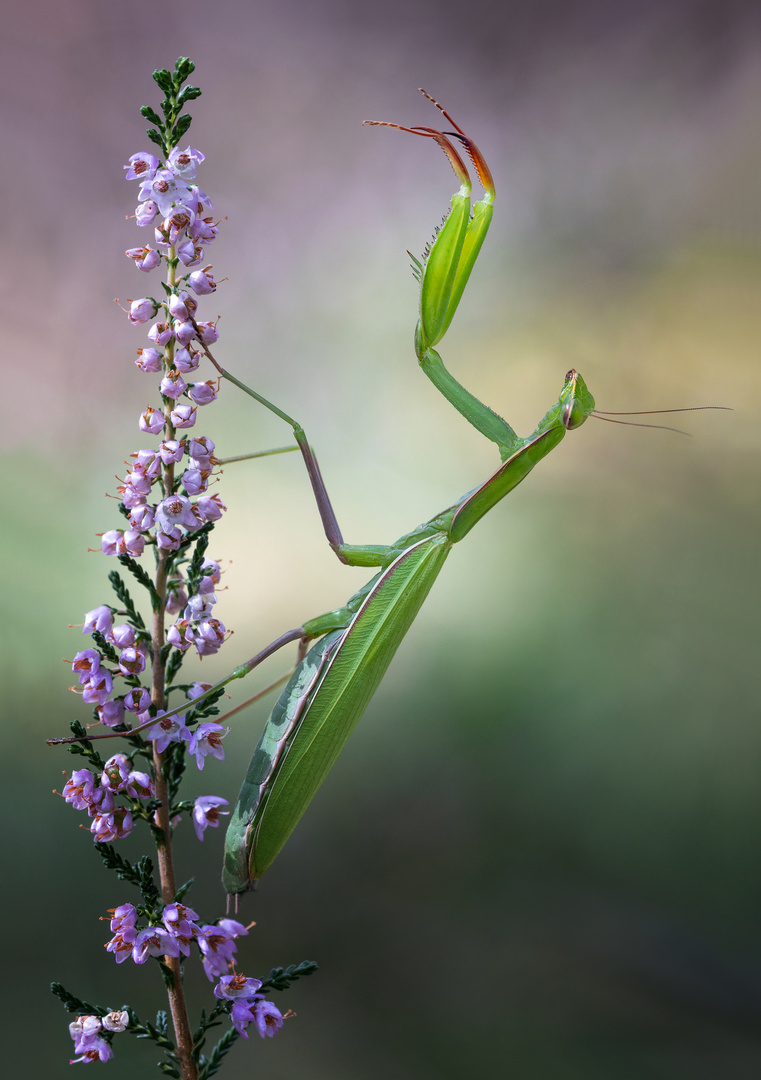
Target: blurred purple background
pixel 540 850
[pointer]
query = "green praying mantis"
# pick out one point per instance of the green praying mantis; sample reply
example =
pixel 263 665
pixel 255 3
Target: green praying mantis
pixel 335 680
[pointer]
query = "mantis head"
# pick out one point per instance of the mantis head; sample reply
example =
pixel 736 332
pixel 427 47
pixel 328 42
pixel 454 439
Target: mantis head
pixel 576 402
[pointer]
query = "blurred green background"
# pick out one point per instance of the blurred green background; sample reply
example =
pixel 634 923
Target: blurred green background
pixel 539 853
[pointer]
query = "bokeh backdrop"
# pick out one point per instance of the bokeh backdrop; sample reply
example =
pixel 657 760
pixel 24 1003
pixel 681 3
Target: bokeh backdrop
pixel 539 854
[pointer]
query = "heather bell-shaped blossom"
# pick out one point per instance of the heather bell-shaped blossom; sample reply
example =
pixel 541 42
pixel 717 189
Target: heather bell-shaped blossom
pixel 143 310
pixel 202 281
pixel 183 416
pixel 210 637
pixel 85 664
pixel 114 825
pixel 111 713
pixel 78 790
pixel 195 482
pixel 146 212
pixel 182 924
pixel 151 421
pixel 149 360
pixel 144 258
pixel 206 813
pixel 115 773
pixel 183 162
pixel 161 333
pixel 137 700
pixel 235 987
pixel 177 510
pixel 210 507
pixel 164 188
pixel 218 948
pixel 189 253
pixel 141 166
pixel 100 619
pixel 154 941
pixel 207 739
pixel 139 786
pixel 87 1042
pixel 203 393
pixel 116 1021
pixel 172 729
pixel 171 451
pixel 263 1013
pixel 185 360
pixel 181 635
pixel 208 332
pixel 97 689
pixel 173 385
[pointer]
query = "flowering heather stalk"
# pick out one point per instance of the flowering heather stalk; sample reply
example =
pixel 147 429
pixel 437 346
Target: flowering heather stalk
pixel 129 674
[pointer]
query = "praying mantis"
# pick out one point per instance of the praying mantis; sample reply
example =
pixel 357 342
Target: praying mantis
pixel 335 679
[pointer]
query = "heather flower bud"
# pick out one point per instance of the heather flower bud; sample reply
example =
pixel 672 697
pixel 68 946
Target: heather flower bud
pixel 151 421
pixel 200 450
pixel 202 281
pixel 116 1021
pixel 123 635
pixel 194 481
pixel 149 360
pixel 203 392
pixel 145 258
pixel 183 416
pixel 146 212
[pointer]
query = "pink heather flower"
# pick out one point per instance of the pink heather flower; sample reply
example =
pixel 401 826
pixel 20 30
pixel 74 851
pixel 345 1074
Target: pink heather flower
pixel 116 1021
pixel 121 943
pixel 85 664
pixel 114 825
pixel 144 258
pixel 171 451
pixel 235 987
pixel 115 773
pixel 151 421
pixel 176 510
pixel 185 360
pixel 112 712
pixel 181 922
pixel 189 253
pixel 137 700
pixel 112 542
pixel 97 689
pixel 161 333
pixel 203 230
pixel 208 332
pixel 102 801
pixel 268 1018
pixel 147 461
pixel 203 392
pixel 177 596
pixel 177 308
pixel 169 541
pixel 183 162
pixel 202 281
pixel 210 507
pixel 195 482
pixel 130 498
pixel 175 224
pixel 172 729
pixel 184 332
pixel 78 790
pixel 183 416
pixel 201 451
pixel 149 360
pixel 143 310
pixel 142 166
pixel 153 941
pixel 207 739
pixel 146 212
pixel 211 573
pixel 123 917
pixel 206 812
pixel 210 637
pixel 134 542
pixel 180 634
pixel 139 786
pixel 200 606
pixel 173 385
pixel 197 689
pixel 87 1042
pixel 141 518
pixel 100 619
pixel 198 200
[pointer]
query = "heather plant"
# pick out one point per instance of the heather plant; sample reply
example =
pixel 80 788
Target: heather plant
pixel 131 674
